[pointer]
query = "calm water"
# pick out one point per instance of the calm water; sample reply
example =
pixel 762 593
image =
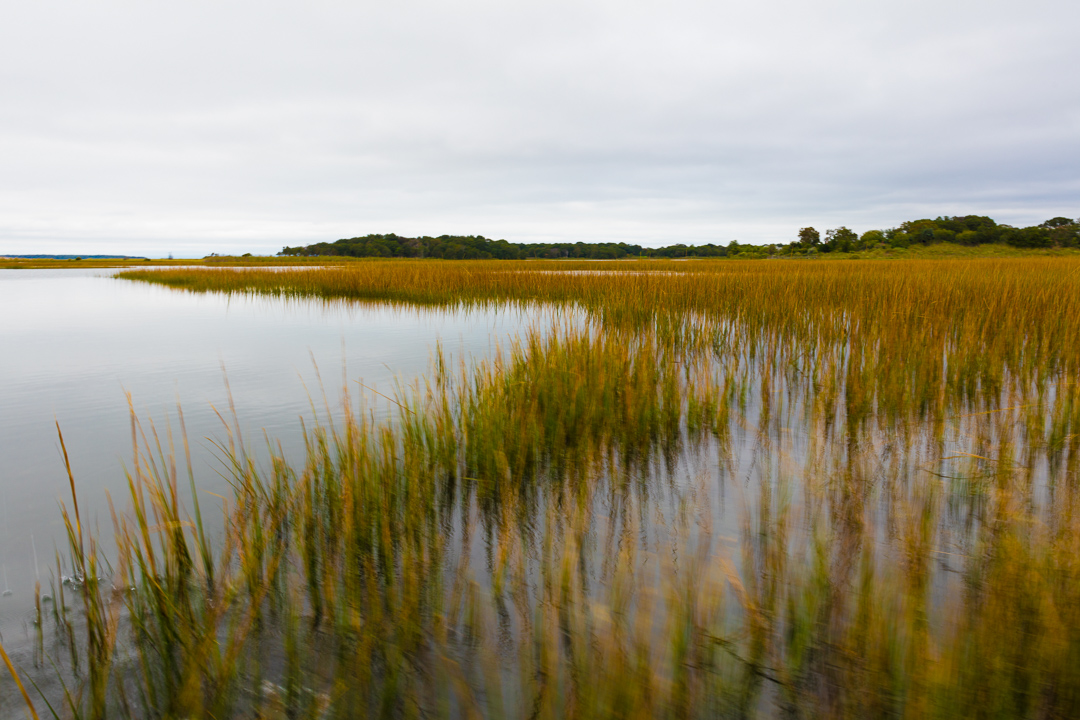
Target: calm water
pixel 72 342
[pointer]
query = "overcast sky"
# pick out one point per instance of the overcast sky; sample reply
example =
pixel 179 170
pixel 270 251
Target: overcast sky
pixel 195 127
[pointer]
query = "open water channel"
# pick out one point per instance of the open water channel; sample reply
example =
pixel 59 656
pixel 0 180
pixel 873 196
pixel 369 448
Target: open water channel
pixel 74 343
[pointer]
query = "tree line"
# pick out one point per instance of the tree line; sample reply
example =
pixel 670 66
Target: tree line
pixel 964 230
pixel 466 247
pixel 478 247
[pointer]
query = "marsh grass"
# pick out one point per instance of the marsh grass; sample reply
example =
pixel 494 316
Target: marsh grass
pixel 734 489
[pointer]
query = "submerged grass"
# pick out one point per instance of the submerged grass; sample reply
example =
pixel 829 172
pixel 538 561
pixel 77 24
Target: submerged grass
pixel 713 489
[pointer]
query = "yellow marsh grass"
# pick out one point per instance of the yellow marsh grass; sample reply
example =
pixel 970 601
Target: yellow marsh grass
pixel 933 337
pixel 523 540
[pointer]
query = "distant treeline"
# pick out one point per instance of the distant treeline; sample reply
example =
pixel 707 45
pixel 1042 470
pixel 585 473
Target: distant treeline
pixel 478 247
pixel 964 230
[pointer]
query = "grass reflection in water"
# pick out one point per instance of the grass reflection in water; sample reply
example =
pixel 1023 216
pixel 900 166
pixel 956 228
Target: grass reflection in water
pixel 732 488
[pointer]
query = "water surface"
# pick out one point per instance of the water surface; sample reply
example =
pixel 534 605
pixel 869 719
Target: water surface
pixel 74 342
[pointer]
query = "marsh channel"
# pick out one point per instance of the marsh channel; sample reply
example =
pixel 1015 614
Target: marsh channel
pixel 74 344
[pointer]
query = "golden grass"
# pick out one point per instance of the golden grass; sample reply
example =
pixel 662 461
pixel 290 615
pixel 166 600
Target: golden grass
pixel 892 336
pixel 719 489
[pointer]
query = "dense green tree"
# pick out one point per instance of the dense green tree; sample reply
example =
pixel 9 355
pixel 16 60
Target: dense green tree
pixel 871 238
pixel 1063 232
pixel 809 236
pixel 840 239
pixel 1030 237
pixel 898 238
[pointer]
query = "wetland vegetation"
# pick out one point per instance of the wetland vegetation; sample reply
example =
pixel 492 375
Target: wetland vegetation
pixel 765 488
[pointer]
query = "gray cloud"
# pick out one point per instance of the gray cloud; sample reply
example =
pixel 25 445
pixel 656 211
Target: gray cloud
pixel 244 126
